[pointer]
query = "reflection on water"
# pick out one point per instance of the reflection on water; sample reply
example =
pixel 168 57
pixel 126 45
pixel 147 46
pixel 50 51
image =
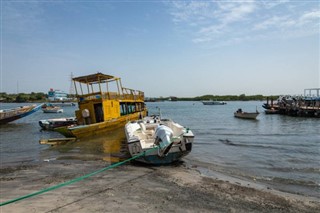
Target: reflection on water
pixel 110 147
pixel 19 142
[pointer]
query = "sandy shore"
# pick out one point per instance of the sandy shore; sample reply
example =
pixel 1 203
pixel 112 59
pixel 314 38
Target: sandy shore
pixel 137 188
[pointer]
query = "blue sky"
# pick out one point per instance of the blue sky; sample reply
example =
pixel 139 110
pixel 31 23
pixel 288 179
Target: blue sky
pixel 164 48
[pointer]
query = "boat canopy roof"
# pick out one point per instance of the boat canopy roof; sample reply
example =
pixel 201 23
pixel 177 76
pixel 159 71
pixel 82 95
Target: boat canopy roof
pixel 89 87
pixel 95 78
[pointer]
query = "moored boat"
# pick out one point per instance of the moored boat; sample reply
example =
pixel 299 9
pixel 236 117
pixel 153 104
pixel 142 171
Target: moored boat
pixel 52 109
pixel 8 115
pixel 51 124
pixel 103 104
pixel 211 102
pixel 247 115
pixel 163 140
pixel 62 104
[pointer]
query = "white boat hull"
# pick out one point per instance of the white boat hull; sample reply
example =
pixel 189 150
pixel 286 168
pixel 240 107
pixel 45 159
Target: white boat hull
pixel 141 137
pixel 52 110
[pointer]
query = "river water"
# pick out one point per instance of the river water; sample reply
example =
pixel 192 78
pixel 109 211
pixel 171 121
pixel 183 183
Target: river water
pixel 280 151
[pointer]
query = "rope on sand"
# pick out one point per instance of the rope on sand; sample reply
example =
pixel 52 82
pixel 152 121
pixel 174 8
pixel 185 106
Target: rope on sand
pixel 76 179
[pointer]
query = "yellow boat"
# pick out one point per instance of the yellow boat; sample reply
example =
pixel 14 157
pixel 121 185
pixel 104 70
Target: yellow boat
pixel 100 111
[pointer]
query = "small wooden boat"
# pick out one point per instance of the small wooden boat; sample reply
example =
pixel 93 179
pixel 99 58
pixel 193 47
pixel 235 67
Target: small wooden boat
pixel 51 124
pixel 56 141
pixel 52 109
pixel 247 115
pixel 211 102
pixel 8 115
pixel 163 140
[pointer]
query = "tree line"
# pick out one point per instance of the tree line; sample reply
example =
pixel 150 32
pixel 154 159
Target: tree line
pixel 25 97
pixel 42 97
pixel 241 97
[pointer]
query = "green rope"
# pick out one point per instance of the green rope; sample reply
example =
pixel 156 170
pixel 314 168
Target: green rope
pixel 76 179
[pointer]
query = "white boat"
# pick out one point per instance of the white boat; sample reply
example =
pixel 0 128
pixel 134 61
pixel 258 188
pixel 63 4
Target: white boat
pixel 211 102
pixel 162 140
pixel 247 115
pixel 62 104
pixel 49 108
pixel 51 124
pixel 52 109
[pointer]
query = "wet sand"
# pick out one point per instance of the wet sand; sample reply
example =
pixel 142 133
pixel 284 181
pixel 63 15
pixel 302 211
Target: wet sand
pixel 140 188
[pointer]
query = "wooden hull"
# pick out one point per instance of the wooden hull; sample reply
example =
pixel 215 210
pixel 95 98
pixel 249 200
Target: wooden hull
pixel 80 131
pixel 51 124
pixel 271 111
pixel 19 114
pixel 246 115
pixel 56 141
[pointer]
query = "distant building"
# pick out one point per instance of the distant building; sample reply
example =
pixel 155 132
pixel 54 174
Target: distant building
pixel 57 95
pixel 312 92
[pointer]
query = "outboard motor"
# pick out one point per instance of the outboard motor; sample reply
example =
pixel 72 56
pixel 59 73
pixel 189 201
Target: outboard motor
pixel 163 136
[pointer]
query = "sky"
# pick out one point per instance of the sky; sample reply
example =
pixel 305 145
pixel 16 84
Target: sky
pixel 164 48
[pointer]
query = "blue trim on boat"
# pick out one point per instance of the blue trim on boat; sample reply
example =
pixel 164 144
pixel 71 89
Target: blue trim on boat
pixel 16 117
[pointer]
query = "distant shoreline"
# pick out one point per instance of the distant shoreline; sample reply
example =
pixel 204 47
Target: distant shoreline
pixel 42 97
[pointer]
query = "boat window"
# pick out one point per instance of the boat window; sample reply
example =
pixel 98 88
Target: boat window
pixel 123 109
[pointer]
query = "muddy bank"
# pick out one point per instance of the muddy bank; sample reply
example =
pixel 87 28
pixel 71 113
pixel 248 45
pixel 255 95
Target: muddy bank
pixel 137 188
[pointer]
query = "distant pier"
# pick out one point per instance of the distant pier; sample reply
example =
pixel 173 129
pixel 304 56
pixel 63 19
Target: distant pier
pixel 303 106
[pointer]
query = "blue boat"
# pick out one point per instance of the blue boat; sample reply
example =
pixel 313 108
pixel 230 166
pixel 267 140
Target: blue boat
pixel 9 115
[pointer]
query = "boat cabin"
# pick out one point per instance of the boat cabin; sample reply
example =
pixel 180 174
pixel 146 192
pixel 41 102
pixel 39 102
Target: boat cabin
pixel 101 98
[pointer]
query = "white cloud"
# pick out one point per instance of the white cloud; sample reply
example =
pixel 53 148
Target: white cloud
pixel 189 11
pixel 310 16
pixel 271 4
pixel 275 21
pixel 229 22
pixel 235 11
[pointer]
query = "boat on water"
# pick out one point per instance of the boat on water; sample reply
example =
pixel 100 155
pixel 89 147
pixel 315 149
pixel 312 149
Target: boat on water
pixel 303 106
pixel 103 105
pixel 51 124
pixel 271 111
pixel 247 115
pixel 9 115
pixel 51 109
pixel 163 140
pixel 211 102
pixel 62 104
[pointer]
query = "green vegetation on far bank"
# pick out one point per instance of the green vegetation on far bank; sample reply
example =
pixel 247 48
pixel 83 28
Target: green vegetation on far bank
pixel 42 97
pixel 241 97
pixel 24 97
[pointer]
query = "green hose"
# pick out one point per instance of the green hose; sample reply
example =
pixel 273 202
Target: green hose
pixel 76 179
